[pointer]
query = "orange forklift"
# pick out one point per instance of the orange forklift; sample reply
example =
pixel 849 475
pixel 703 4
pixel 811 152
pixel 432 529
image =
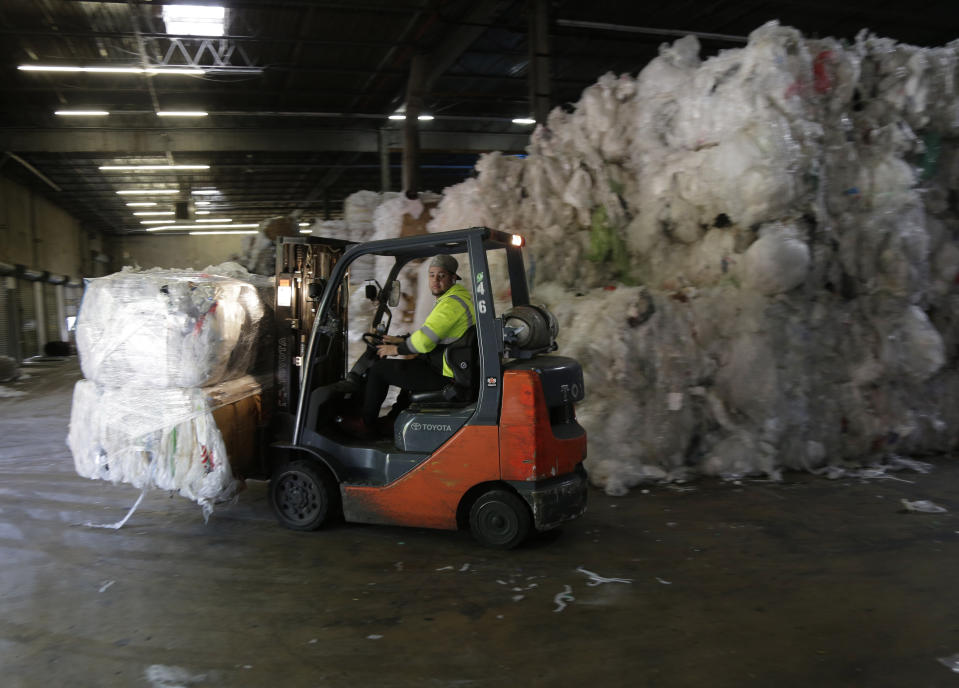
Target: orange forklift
pixel 497 451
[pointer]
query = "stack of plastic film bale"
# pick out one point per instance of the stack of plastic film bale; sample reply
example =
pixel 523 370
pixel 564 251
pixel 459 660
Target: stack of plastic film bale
pixel 755 256
pixel 404 217
pixel 358 226
pixel 259 250
pixel 171 397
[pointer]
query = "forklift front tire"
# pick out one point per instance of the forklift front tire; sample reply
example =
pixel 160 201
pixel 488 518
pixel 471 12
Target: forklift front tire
pixel 500 519
pixel 301 494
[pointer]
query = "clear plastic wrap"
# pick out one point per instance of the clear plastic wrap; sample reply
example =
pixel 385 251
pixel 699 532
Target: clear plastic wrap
pixel 196 442
pixel 173 328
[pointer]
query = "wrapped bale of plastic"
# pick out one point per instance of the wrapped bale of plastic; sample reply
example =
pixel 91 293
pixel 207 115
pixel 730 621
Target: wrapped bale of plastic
pixel 171 328
pixel 198 442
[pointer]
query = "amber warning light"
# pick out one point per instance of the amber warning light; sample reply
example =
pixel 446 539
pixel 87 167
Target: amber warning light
pixel 284 293
pixel 518 240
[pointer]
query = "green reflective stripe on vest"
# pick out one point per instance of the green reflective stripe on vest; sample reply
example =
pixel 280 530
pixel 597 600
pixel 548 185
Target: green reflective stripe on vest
pixel 468 309
pixel 423 332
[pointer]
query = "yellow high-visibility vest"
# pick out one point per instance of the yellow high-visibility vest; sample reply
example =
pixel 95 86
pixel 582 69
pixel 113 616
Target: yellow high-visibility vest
pixel 452 315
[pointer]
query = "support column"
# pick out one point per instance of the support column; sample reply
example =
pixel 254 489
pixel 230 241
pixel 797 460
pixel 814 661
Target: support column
pixel 540 93
pixel 384 160
pixel 411 134
pixel 61 314
pixel 40 314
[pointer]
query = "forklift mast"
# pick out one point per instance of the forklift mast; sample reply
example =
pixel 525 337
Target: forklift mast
pixel 303 268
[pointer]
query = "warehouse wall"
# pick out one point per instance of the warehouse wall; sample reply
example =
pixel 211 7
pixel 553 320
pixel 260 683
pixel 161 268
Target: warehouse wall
pixel 36 233
pixel 180 251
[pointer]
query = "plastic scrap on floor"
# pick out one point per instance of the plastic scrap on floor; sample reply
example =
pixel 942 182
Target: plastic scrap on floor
pixel 162 676
pixel 664 582
pixel 106 586
pixel 923 506
pixel 122 522
pixel 876 471
pixel 562 599
pixel 951 662
pixel 595 579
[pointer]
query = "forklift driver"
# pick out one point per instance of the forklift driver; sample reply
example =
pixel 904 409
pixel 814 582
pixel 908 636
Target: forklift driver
pixel 449 320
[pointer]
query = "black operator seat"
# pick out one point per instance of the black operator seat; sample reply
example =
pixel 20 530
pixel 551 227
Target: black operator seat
pixel 463 358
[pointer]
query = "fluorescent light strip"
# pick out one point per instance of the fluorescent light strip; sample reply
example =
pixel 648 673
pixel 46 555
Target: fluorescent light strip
pixel 422 118
pixel 241 231
pixel 157 222
pixel 155 212
pixel 142 204
pixel 306 231
pixel 524 120
pixel 147 192
pixel 236 226
pixel 154 167
pixel 182 113
pixel 305 224
pixel 205 192
pixel 81 113
pixel 216 219
pixel 203 203
pixel 113 70
pixel 203 212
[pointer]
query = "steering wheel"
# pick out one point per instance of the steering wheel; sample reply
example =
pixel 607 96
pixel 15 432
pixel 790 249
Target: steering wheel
pixel 372 340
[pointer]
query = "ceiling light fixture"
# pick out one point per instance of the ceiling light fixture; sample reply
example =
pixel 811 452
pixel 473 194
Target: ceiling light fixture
pixel 422 118
pixel 524 120
pixel 81 113
pixel 194 20
pixel 236 226
pixel 155 212
pixel 203 203
pixel 142 204
pixel 183 71
pixel 205 192
pixel 306 231
pixel 146 192
pixel 153 167
pixel 305 224
pixel 182 113
pixel 157 222
pixel 216 219
pixel 240 231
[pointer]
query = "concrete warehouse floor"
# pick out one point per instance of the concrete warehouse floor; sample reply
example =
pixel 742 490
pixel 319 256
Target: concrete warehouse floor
pixel 806 583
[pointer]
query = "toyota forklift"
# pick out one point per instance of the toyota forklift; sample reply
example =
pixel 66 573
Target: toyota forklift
pixel 497 451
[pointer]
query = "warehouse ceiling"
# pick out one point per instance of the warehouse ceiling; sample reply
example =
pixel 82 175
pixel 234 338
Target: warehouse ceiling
pixel 298 94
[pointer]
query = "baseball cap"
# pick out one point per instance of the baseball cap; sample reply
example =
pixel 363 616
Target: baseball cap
pixel 446 262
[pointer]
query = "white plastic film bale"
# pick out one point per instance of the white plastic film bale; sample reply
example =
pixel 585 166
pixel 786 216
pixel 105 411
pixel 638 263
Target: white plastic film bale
pixel 171 328
pixel 164 438
pixel 777 261
pixel 912 346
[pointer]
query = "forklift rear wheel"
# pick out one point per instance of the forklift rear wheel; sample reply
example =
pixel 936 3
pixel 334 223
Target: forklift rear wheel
pixel 500 519
pixel 301 494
